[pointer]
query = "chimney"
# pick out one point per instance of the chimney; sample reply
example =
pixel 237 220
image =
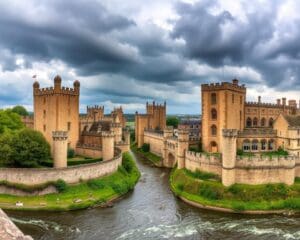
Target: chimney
pixel 259 99
pixel 278 101
pixel 235 81
pixel 283 101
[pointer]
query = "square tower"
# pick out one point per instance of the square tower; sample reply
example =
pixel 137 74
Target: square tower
pixel 222 108
pixel 57 109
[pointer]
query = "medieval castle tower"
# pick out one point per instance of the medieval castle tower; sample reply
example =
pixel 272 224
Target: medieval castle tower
pixel 222 108
pixel 57 109
pixel 155 118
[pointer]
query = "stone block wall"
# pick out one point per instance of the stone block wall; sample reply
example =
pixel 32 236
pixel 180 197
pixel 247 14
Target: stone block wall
pixel 156 141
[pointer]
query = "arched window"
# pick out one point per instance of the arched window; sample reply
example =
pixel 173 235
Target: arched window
pixel 214 114
pixel 213 98
pixel 254 145
pixel 271 122
pixel 271 144
pixel 263 145
pixel 213 129
pixel 255 122
pixel 249 122
pixel 246 145
pixel 262 122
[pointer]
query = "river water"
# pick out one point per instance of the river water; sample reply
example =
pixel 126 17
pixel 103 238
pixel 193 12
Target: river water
pixel 152 212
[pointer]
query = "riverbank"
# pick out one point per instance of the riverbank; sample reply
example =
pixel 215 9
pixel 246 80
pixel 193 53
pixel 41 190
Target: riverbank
pixel 95 192
pixel 154 159
pixel 206 192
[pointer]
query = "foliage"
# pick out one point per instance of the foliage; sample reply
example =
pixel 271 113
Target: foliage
pixel 127 163
pixel 10 121
pixel 29 148
pixel 172 121
pixel 201 175
pixel 6 150
pixel 71 153
pixel 61 185
pixel 95 184
pixel 146 147
pixel 20 110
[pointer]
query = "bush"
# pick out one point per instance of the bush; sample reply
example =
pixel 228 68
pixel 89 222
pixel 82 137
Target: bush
pixel 20 110
pixel 71 153
pixel 61 185
pixel 119 188
pixel 29 148
pixel 95 184
pixel 180 187
pixel 146 147
pixel 201 175
pixel 239 152
pixel 210 192
pixel 127 163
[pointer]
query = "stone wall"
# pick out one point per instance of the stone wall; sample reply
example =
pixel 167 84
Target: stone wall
pixel 156 141
pixel 74 174
pixel 203 162
pixel 89 151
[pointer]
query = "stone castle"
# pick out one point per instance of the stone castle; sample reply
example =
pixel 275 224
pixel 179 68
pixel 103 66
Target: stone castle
pixel 228 124
pixel 56 116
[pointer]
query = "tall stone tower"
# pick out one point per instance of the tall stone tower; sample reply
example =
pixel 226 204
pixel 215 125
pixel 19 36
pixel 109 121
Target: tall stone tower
pixel 108 146
pixel 57 108
pixel 95 113
pixel 222 108
pixel 119 112
pixel 183 146
pixel 60 148
pixel 155 118
pixel 228 156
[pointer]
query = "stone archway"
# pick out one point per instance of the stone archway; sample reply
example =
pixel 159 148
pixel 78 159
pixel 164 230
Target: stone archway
pixel 171 160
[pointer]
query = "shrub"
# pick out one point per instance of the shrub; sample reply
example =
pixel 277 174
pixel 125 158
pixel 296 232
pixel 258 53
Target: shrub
pixel 180 187
pixel 146 147
pixel 71 153
pixel 239 152
pixel 201 175
pixel 119 188
pixel 127 163
pixel 210 192
pixel 61 185
pixel 95 184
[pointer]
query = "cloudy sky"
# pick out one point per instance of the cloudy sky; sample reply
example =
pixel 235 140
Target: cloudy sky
pixel 128 52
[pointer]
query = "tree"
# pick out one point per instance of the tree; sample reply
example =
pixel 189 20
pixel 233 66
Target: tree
pixel 29 148
pixel 6 150
pixel 172 121
pixel 10 121
pixel 20 110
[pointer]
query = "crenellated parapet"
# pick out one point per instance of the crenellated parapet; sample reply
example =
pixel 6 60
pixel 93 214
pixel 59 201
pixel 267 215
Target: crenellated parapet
pixel 224 86
pixel 230 132
pixel 258 161
pixel 267 105
pixel 59 135
pixel 148 132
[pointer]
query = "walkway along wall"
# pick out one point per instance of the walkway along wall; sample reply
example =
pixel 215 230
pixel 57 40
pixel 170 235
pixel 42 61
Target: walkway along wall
pixel 74 174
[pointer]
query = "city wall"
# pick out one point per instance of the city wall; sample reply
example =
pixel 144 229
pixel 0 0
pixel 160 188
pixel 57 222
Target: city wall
pixel 74 174
pixel 87 150
pixel 156 141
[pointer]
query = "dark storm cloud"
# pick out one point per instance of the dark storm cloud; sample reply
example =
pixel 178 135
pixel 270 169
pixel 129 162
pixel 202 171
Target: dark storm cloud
pixel 224 39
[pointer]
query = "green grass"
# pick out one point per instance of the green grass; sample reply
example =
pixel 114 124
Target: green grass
pixel 92 192
pixel 150 156
pixel 238 197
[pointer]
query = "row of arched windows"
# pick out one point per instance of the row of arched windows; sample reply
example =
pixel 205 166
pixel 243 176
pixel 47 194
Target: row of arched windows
pixel 262 123
pixel 256 145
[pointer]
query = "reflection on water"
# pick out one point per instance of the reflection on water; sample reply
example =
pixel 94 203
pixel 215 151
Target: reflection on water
pixel 152 212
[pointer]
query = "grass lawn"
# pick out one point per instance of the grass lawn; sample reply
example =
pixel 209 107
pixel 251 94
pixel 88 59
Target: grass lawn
pixel 150 156
pixel 206 190
pixel 83 195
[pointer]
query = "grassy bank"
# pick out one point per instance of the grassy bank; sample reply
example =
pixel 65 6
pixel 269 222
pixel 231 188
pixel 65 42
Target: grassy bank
pixel 207 191
pixel 83 195
pixel 156 160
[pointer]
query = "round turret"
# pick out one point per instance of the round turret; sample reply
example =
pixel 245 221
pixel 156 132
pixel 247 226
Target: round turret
pixel 76 84
pixel 36 84
pixel 57 79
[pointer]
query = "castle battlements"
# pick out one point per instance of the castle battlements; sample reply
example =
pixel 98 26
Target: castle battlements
pixel 230 132
pixel 267 105
pixel 259 161
pixel 96 107
pixel 107 134
pixel 224 86
pixel 52 90
pixel 59 135
pixel 202 158
pixel 153 133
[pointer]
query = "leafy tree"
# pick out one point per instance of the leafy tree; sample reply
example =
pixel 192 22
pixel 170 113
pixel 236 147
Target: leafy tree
pixel 6 150
pixel 172 121
pixel 20 110
pixel 10 121
pixel 29 148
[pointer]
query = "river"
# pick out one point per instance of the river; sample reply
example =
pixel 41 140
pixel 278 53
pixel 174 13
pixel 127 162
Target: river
pixel 152 212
